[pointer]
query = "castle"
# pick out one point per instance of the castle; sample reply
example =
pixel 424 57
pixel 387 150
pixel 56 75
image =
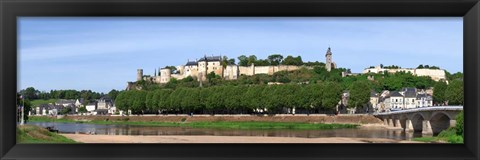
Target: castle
pixel 209 64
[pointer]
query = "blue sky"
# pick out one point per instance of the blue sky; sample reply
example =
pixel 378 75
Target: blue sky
pixel 102 54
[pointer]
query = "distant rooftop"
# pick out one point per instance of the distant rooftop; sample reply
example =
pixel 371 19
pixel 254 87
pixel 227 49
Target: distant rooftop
pixel 191 63
pixel 395 94
pixel 210 58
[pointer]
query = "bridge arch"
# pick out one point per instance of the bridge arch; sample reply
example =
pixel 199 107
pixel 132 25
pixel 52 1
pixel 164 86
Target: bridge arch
pixel 440 121
pixel 417 122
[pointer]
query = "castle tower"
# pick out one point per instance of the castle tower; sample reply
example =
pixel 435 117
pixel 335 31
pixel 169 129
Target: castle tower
pixel 328 61
pixel 165 75
pixel 139 74
pixel 202 68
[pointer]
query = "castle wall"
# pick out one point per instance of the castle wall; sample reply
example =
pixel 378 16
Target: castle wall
pixel 231 72
pixel 177 76
pixel 190 71
pixel 245 70
pixel 436 74
pixel 287 67
pixel 262 69
pixel 181 69
pixel 157 79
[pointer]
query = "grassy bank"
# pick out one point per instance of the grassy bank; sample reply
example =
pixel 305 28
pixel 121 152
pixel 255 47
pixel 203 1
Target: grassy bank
pixel 214 124
pixel 35 134
pixel 449 136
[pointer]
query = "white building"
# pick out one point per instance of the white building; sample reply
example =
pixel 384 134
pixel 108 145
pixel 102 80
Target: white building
pixel 396 100
pixel 78 102
pixel 410 96
pixel 424 100
pixel 65 102
pixel 104 103
pixel 91 107
pixel 407 98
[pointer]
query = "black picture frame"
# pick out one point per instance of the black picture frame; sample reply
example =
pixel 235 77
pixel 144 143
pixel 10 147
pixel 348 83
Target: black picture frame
pixel 12 9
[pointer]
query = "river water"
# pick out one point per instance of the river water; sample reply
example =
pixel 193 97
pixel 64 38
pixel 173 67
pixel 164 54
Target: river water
pixel 101 129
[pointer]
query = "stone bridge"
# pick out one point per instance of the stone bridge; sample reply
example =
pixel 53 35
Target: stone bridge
pixel 428 120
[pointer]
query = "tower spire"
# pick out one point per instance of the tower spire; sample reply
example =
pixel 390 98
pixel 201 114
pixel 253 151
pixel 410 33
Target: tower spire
pixel 329 51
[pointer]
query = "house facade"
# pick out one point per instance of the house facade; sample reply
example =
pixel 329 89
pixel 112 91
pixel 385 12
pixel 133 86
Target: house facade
pixel 407 98
pixel 396 100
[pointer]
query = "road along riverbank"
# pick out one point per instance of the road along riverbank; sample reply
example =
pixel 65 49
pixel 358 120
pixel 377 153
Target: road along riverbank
pixel 222 139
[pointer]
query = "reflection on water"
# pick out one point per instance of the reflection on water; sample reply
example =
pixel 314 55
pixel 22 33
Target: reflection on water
pixel 148 130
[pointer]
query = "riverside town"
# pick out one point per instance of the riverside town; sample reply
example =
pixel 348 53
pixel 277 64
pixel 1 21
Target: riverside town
pixel 240 80
pixel 279 99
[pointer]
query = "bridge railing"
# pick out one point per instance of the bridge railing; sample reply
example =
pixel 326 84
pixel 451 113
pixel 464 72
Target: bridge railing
pixel 434 108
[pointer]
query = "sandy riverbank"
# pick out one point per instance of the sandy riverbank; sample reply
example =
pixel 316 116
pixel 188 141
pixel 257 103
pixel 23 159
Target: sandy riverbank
pixel 221 139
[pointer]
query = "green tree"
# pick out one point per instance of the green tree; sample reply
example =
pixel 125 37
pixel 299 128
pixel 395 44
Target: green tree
pixel 172 84
pixel 242 60
pixel 253 98
pixel 275 59
pixel 439 92
pixel 113 94
pixel 459 124
pixel 65 111
pixel 455 76
pixel 30 93
pixel 84 110
pixel 173 69
pixel 138 105
pixel 163 99
pixel 332 92
pixel 359 94
pixel 150 102
pixel 231 61
pixel 121 101
pixel 454 92
pixel 315 95
pixel 290 60
pixel 251 59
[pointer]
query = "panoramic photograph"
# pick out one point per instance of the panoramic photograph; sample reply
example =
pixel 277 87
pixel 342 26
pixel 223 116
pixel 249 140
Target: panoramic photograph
pixel 240 80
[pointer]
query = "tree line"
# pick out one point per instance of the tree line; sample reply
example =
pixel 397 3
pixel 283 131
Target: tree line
pixel 32 94
pixel 451 94
pixel 242 99
pixel 271 60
